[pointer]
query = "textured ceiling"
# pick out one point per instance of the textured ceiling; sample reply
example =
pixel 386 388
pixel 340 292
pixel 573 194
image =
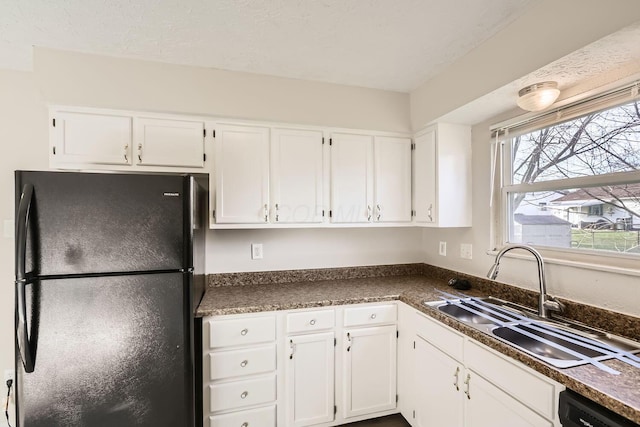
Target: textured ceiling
pixel 384 44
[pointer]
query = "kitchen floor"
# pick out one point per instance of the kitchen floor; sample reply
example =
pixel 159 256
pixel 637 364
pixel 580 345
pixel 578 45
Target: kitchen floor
pixel 389 421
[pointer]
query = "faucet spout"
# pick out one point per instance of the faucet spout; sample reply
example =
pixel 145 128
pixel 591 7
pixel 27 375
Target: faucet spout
pixel 546 303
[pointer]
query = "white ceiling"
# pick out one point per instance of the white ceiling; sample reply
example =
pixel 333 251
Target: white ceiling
pixel 385 44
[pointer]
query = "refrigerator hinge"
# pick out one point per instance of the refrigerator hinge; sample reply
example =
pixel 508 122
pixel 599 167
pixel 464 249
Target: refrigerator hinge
pixel 54 122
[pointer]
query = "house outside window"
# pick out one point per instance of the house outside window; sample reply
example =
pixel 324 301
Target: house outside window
pixel 573 186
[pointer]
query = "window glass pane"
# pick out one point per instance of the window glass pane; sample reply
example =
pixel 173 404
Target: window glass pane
pixel 599 143
pixel 593 218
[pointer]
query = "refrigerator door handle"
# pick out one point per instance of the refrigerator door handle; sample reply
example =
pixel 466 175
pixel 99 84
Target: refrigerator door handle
pixel 22 335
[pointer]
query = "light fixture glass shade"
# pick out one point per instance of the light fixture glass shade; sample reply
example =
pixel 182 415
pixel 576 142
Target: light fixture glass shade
pixel 538 96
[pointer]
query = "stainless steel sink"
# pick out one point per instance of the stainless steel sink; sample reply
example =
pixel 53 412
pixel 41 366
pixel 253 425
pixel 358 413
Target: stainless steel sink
pixel 561 343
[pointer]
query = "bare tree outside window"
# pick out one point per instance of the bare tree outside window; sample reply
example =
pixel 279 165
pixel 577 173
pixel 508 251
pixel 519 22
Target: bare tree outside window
pixel 600 143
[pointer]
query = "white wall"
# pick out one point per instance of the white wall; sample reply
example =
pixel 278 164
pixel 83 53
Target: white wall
pixel 616 292
pixel 23 130
pixel 230 250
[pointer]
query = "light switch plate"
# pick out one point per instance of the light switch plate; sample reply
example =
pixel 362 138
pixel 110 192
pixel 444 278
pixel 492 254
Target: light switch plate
pixel 466 250
pixel 256 251
pixel 442 249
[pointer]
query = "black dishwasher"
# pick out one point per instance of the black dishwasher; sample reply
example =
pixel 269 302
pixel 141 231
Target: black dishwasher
pixel 575 410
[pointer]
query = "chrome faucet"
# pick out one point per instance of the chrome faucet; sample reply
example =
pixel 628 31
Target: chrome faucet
pixel 546 302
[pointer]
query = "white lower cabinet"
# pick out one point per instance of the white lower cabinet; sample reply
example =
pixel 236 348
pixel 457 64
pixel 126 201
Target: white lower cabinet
pixel 310 373
pixel 459 382
pixel 369 370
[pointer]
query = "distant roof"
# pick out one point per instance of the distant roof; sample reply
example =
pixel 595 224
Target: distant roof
pixel 624 191
pixel 539 220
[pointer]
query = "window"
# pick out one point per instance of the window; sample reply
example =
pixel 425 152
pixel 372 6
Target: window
pixel 574 186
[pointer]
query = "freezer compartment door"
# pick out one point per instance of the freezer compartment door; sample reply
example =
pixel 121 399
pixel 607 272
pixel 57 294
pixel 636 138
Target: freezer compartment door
pixel 109 352
pixel 85 223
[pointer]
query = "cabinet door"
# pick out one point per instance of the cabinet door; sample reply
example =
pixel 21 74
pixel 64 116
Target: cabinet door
pixel 242 174
pixel 88 138
pixel 309 375
pixel 165 142
pixel 488 406
pixel 424 178
pixel 392 180
pixel 296 176
pixel 351 178
pixel 369 370
pixel 439 400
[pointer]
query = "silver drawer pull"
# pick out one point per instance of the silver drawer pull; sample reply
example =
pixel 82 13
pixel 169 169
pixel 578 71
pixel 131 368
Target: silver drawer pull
pixel 243 332
pixel 244 394
pixel 245 424
pixel 312 322
pixel 373 316
pixel 244 363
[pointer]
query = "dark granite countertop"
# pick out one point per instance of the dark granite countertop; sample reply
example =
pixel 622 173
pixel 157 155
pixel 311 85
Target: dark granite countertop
pixel 620 393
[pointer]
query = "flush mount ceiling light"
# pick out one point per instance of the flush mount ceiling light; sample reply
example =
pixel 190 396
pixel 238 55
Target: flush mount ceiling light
pixel 538 96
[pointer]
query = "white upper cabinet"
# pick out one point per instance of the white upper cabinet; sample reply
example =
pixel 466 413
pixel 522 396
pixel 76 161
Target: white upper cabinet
pixel 370 179
pixel 351 178
pixel 167 142
pixel 242 174
pixel 83 138
pixel 442 176
pixel 392 183
pixel 90 138
pixel 296 176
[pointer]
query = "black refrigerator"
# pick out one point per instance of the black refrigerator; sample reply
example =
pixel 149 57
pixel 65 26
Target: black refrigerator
pixel 109 268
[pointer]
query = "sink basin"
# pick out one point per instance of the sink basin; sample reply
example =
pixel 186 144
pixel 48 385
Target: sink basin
pixel 544 350
pixel 559 342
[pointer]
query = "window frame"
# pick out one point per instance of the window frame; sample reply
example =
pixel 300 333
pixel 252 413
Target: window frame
pixel 502 187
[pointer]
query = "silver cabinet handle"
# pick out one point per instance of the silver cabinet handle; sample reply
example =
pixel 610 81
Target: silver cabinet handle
pixel 368 213
pixel 266 213
pixel 467 382
pixel 430 212
pixel 244 332
pixel 457 373
pixel 277 212
pixel 312 322
pixel 126 152
pixel 139 152
pixel 244 395
pixel 244 363
pixel 379 212
pixel 373 316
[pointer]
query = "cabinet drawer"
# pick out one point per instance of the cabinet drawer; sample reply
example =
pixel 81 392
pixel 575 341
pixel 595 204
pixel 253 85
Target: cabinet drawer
pixel 238 394
pixel 241 331
pixel 246 361
pixel 308 321
pixel 371 315
pixel 537 393
pixel 440 336
pixel 260 417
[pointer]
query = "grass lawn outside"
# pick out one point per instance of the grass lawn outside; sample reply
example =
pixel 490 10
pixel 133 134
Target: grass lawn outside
pixel 606 240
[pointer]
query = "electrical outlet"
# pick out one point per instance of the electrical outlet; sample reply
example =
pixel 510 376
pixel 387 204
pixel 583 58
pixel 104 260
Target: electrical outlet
pixel 442 249
pixel 9 374
pixel 466 251
pixel 256 251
